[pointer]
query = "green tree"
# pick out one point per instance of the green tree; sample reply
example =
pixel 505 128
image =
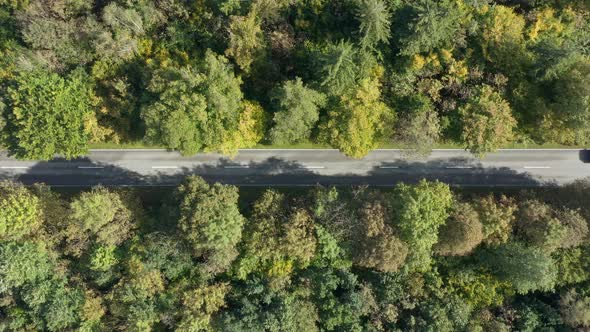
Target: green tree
pixel 60 33
pixel 419 211
pixel 100 216
pixel 428 25
pixel 461 233
pixel 60 106
pixel 178 117
pixel 487 122
pixel 374 17
pixel 502 38
pixel 527 268
pixel 224 100
pixel 339 68
pixel 297 112
pixel 210 221
pixel 420 129
pixel 245 39
pixel 21 212
pixel 538 227
pixel 355 125
pixel 46 301
pixel 200 305
pixel 575 309
pixel 279 239
pixel 195 108
pixel 570 91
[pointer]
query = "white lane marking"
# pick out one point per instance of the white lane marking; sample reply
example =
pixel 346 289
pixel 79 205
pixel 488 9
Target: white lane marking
pixel 164 167
pixel 312 167
pixel 236 166
pixel 537 167
pixel 460 167
pixel 14 167
pixel 90 167
pixel 388 166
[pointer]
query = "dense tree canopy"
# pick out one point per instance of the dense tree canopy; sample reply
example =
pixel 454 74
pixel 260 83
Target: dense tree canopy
pixel 207 258
pixel 60 107
pixel 453 72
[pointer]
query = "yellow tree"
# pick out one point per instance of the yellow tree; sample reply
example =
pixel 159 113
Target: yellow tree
pixel 357 122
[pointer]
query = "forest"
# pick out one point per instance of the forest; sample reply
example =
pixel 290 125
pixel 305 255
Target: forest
pixel 219 75
pixel 212 257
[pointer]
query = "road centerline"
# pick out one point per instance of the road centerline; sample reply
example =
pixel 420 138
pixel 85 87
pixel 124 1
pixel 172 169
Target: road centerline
pixel 236 166
pixel 537 167
pixel 312 167
pixel 164 167
pixel 15 167
pixel 459 167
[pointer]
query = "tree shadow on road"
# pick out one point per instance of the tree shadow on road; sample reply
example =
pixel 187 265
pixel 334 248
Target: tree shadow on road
pixel 84 172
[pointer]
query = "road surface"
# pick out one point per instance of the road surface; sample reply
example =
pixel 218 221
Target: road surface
pixel 300 167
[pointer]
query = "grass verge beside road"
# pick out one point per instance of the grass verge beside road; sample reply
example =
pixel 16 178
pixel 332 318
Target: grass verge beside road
pixel 311 145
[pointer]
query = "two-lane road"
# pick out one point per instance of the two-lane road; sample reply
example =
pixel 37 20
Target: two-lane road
pixel 300 167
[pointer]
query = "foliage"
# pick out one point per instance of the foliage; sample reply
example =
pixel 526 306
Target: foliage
pixel 377 247
pixel 297 112
pixel 325 259
pixel 497 217
pixel 210 221
pixel 375 21
pixel 245 39
pixel 60 106
pixel 195 108
pixel 487 122
pixel 462 232
pixel 357 122
pixel 528 269
pixel 99 216
pixel 428 25
pixel 575 309
pixel 419 130
pixel 20 212
pixel 156 73
pixel 419 212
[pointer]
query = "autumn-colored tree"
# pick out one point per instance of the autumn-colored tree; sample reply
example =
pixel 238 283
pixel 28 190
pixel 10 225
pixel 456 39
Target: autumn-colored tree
pixel 358 121
pixel 461 233
pixel 497 217
pixel 376 245
pixel 487 122
pixel 21 212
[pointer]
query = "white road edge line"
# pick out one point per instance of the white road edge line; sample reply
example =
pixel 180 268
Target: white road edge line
pixel 313 167
pixel 14 167
pixel 236 166
pixel 460 167
pixel 388 166
pixel 164 167
pixel 537 167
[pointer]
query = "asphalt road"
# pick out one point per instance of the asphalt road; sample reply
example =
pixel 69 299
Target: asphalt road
pixel 506 168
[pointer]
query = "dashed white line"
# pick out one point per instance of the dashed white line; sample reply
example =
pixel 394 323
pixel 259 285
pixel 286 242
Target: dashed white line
pixel 236 166
pixel 14 167
pixel 313 167
pixel 459 167
pixel 388 166
pixel 164 167
pixel 537 167
pixel 90 167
